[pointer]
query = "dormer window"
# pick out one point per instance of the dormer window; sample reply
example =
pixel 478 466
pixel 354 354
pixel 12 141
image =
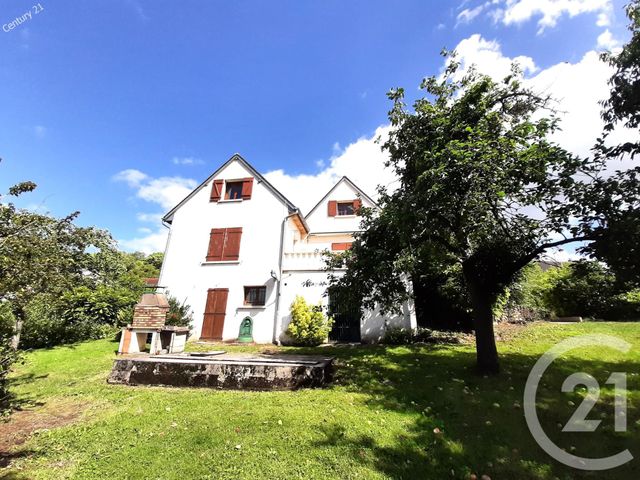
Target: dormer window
pixel 233 190
pixel 239 189
pixel 345 208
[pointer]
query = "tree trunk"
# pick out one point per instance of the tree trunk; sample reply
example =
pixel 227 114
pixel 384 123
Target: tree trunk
pixel 486 351
pixel 17 330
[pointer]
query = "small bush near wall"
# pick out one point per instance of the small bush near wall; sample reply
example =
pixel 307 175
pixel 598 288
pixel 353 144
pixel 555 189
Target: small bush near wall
pixel 309 326
pixel 179 314
pixel 403 336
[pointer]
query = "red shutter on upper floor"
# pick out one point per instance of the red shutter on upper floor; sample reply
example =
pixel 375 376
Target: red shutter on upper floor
pixel 216 190
pixel 232 244
pixel 333 208
pixel 247 188
pixel 357 205
pixel 336 247
pixel 216 244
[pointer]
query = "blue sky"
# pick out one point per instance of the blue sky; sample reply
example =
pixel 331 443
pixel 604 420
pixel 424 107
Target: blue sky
pixel 117 107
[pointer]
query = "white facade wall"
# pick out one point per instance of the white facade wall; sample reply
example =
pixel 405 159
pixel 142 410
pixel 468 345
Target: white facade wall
pixel 188 276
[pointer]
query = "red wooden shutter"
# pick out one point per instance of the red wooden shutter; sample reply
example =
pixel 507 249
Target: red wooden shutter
pixel 340 246
pixel 216 244
pixel 333 208
pixel 247 188
pixel 232 244
pixel 216 190
pixel 357 205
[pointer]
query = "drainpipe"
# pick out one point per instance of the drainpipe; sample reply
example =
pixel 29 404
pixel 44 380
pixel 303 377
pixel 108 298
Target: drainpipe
pixel 277 322
pixel 166 249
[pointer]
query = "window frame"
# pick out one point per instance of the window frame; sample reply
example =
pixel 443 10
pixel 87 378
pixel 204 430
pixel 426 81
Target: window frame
pixel 236 184
pixel 258 288
pixel 345 202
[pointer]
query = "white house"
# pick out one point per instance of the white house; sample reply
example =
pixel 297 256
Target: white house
pixel 238 247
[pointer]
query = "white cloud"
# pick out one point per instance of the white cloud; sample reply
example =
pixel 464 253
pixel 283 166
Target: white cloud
pixel 149 243
pixel 468 14
pixel 362 161
pixel 604 19
pixel 131 177
pixel 149 217
pixel 166 192
pixel 549 12
pixel 186 161
pixel 488 58
pixel 606 41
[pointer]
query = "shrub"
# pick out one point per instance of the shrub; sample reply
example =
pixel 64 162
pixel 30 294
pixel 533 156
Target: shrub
pixel 102 305
pixel 585 288
pixel 8 356
pixel 404 336
pixel 308 326
pixel 398 336
pixel 79 314
pixel 179 314
pixel 48 324
pixel 7 320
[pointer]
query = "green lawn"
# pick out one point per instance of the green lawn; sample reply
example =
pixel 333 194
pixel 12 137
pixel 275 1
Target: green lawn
pixel 376 421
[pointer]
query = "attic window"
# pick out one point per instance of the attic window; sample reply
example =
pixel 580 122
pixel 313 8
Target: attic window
pixel 233 190
pixel 345 208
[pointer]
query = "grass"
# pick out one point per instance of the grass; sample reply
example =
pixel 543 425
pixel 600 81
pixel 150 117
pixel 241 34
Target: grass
pixel 378 420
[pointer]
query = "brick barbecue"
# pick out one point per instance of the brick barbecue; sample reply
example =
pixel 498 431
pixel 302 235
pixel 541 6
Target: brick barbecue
pixel 151 311
pixel 149 317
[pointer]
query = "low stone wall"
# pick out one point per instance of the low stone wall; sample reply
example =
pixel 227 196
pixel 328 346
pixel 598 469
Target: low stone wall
pixel 229 373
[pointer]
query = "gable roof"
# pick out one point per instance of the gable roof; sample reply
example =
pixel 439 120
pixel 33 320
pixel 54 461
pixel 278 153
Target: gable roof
pixel 352 185
pixel 236 157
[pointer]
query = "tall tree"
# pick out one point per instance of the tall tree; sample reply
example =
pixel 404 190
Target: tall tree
pixel 619 245
pixel 42 254
pixel 481 189
pixel 623 105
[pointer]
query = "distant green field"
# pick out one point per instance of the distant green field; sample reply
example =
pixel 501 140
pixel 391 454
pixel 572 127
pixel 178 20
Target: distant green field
pixel 376 421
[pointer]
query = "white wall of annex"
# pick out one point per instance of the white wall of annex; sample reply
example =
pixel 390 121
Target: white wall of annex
pixel 312 285
pixel 187 274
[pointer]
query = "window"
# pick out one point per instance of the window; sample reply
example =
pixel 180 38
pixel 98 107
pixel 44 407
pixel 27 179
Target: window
pixel 233 191
pixel 224 244
pixel 341 246
pixel 345 208
pixel 239 189
pixel 255 296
